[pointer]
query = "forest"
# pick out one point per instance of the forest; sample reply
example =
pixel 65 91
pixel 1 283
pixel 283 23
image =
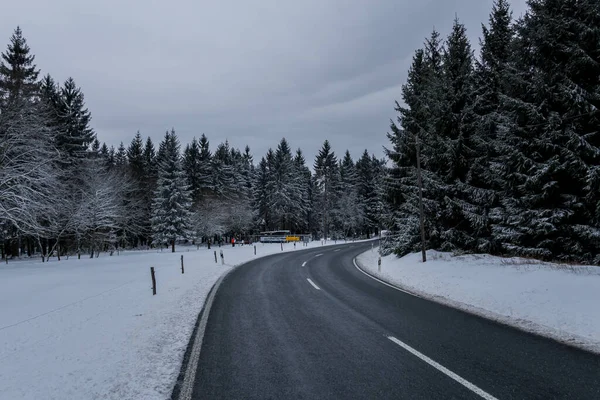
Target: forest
pixel 509 141
pixel 64 193
pixel 508 144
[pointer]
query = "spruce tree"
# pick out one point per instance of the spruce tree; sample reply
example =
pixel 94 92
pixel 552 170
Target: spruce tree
pixel 75 134
pixel 205 167
pixel 18 73
pixel 551 199
pixel 135 158
pixel 223 172
pixel 303 177
pixel 171 219
pixel 284 189
pixel 191 166
pixel 121 157
pixel 261 194
pixel 327 180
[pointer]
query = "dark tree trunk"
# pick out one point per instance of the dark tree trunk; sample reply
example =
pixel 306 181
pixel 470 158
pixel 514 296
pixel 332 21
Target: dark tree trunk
pixel 173 246
pixel 28 243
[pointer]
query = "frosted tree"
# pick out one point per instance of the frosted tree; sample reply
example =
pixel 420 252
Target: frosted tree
pixel 284 189
pixel 327 180
pixel 552 166
pixel 304 181
pixel 223 171
pixel 191 166
pixel 18 73
pixel 171 219
pixel 261 193
pixel 75 134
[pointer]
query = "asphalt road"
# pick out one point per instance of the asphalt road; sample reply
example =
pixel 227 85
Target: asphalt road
pixel 325 330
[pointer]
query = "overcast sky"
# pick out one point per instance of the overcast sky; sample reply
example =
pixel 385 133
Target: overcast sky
pixel 251 72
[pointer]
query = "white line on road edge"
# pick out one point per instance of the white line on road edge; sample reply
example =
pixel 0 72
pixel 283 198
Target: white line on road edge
pixel 318 255
pixel 304 263
pixel 336 250
pixel 312 283
pixel 443 369
pixel 383 282
pixel 187 386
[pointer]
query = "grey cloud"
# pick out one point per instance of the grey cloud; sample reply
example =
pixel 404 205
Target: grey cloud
pixel 251 72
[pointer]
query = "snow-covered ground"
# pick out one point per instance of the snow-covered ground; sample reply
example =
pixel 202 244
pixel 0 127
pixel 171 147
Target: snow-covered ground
pixel 558 301
pixel 91 329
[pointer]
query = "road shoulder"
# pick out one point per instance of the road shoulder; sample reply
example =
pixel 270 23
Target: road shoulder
pixel 367 264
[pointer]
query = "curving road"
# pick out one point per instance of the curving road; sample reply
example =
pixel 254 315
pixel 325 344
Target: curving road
pixel 310 325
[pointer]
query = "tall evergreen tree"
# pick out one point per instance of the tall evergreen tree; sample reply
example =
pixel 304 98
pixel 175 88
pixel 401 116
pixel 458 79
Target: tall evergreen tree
pixel 261 194
pixel 18 73
pixel 327 179
pixel 75 134
pixel 121 157
pixel 171 218
pixel 284 189
pixel 551 168
pixel 205 182
pixel 135 158
pixel 223 171
pixel 191 166
pixel 303 177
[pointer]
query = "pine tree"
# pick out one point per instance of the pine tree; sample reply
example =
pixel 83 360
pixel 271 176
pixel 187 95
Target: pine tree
pixel 171 218
pixel 347 171
pixel 96 147
pixel 149 181
pixel 463 218
pixel 327 180
pixel 367 185
pixel 419 122
pixel 75 134
pixel 205 167
pixel 350 208
pixel 150 162
pixel 135 158
pixel 50 100
pixel 121 157
pixel 261 194
pixel 551 167
pixel 303 177
pixel 18 73
pixel 191 166
pixel 284 189
pixel 223 172
pixel 490 118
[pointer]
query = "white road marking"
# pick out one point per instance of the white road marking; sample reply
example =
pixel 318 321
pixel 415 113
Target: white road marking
pixel 312 283
pixel 189 378
pixel 318 255
pixel 304 263
pixel 336 250
pixel 384 282
pixel 444 370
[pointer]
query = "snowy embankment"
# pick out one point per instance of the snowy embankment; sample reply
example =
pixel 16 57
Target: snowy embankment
pixel 553 300
pixel 91 328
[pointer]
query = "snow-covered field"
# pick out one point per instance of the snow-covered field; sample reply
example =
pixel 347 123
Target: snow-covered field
pixel 558 301
pixel 91 329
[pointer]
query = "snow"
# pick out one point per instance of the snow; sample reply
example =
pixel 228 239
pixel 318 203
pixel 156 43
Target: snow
pixel 91 329
pixel 553 300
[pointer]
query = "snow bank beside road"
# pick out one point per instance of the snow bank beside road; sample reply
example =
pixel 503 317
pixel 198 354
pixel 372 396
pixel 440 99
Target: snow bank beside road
pixel 91 329
pixel 558 301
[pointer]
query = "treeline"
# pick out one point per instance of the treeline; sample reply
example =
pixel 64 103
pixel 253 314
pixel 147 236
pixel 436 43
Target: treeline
pixel 63 192
pixel 509 141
